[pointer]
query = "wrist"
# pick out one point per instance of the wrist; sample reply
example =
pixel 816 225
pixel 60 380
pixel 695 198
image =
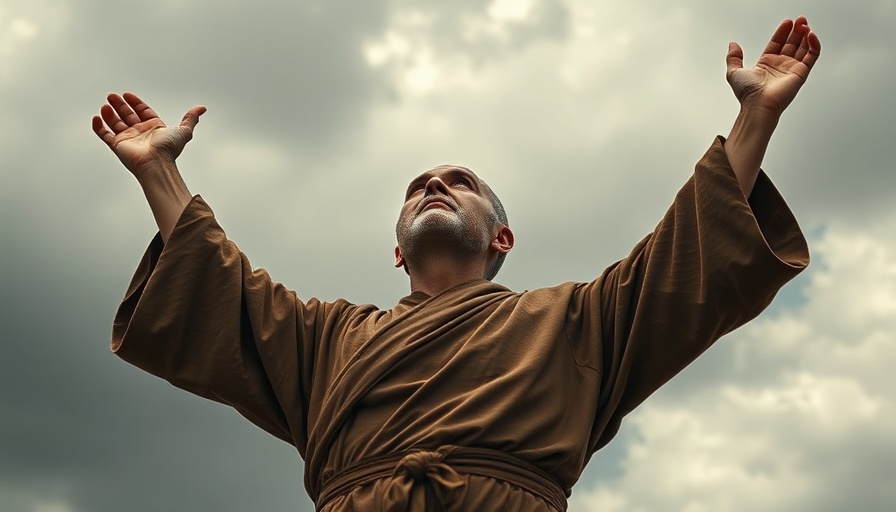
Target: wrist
pixel 754 123
pixel 166 193
pixel 747 142
pixel 154 170
pixel 756 114
pixel 162 179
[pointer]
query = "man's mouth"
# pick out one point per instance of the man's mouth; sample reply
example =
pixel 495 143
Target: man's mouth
pixel 435 202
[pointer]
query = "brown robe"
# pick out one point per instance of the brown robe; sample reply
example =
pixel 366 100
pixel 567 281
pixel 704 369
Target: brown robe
pixel 480 398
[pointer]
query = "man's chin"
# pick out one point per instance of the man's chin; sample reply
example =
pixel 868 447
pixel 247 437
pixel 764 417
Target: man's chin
pixel 438 219
pixel 435 227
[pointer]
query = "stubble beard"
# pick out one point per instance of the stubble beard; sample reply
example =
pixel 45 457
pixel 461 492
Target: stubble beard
pixel 441 231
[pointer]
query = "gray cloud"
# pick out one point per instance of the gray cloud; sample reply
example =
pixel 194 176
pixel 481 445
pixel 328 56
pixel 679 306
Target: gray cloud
pixel 461 29
pixel 299 64
pixel 585 117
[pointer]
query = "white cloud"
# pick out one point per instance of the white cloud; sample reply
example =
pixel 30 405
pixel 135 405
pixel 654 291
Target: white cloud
pixel 23 23
pixel 391 46
pixel 510 10
pixel 31 500
pixel 809 387
pixel 15 33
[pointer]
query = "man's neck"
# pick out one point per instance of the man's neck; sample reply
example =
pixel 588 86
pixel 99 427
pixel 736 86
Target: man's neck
pixel 438 274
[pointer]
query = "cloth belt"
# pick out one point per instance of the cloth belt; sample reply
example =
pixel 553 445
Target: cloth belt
pixel 441 468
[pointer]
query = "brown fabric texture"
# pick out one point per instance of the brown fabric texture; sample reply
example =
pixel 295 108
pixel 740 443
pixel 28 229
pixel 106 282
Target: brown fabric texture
pixel 391 409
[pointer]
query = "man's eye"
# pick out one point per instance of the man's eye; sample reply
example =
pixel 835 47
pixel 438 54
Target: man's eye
pixel 462 183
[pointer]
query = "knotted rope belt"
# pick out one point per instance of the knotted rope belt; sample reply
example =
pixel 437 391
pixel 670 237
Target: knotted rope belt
pixel 442 468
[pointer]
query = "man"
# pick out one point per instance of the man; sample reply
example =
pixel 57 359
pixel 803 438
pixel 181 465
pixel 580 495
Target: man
pixel 465 395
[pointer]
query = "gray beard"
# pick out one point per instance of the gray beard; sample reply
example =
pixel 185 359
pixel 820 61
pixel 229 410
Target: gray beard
pixel 442 232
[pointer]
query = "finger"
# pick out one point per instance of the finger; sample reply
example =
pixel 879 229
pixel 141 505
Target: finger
pixel 735 57
pixel 125 113
pixel 779 38
pixel 809 42
pixel 803 49
pixel 795 38
pixel 99 128
pixel 110 116
pixel 814 50
pixel 143 111
pixel 191 118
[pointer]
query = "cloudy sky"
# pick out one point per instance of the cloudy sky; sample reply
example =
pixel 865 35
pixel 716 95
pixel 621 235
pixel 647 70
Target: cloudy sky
pixel 585 116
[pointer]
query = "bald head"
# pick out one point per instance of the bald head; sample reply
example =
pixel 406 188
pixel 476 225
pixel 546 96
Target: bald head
pixel 455 175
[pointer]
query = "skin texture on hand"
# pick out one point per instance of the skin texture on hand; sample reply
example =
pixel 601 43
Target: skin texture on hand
pixel 781 70
pixel 764 92
pixel 136 134
pixel 148 149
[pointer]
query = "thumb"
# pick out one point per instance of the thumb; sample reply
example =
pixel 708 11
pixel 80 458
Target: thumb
pixel 735 57
pixel 191 118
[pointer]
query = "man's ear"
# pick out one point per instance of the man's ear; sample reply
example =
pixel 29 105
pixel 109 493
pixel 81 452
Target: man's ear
pixel 399 259
pixel 503 241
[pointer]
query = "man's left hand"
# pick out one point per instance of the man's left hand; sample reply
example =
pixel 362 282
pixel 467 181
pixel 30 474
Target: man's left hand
pixel 781 70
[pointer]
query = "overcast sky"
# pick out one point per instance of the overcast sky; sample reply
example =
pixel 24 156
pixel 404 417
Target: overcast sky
pixel 584 116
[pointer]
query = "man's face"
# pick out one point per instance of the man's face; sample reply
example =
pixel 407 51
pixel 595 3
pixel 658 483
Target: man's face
pixel 447 208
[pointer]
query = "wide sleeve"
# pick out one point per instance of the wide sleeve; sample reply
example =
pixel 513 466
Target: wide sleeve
pixel 197 315
pixel 713 263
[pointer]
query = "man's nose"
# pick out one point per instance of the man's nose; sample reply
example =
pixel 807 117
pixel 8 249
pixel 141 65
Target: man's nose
pixel 434 186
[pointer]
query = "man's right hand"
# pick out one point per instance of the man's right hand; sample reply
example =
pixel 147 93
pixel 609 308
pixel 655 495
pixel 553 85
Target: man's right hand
pixel 136 134
pixel 148 148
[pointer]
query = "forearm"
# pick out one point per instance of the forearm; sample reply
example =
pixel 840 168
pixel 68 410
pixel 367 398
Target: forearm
pixel 167 195
pixel 747 143
pixel 148 149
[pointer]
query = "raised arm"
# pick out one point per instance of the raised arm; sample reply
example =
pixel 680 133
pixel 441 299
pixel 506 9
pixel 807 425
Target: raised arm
pixel 148 149
pixel 764 92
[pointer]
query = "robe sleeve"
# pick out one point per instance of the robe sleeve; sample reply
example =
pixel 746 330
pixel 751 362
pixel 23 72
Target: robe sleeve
pixel 197 315
pixel 714 262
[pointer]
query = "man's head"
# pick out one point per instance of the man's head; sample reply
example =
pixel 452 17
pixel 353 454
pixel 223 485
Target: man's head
pixel 450 211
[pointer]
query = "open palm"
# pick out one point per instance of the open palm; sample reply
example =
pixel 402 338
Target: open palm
pixel 781 70
pixel 136 134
